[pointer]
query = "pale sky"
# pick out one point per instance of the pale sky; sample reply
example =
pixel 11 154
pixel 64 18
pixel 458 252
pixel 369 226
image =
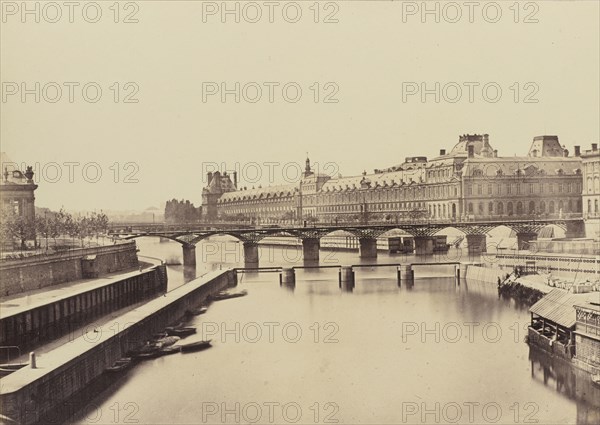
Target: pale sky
pixel 167 140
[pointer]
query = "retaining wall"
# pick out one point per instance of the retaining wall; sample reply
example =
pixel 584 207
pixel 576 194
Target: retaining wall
pixel 40 271
pixel 30 394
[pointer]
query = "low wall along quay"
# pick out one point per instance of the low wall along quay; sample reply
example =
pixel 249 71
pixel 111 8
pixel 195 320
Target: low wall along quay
pixel 30 395
pixel 41 271
pixel 37 323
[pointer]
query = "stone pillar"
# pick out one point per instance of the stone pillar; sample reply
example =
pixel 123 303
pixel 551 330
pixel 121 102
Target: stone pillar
pixel 189 255
pixel 287 276
pixel 462 270
pixel 310 249
pixel 523 239
pixel 576 230
pixel 368 247
pixel 476 244
pixel 423 245
pixel 346 278
pixel 250 254
pixel 406 273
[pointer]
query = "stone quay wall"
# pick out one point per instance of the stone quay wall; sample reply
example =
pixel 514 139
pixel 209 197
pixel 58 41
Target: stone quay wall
pixel 40 271
pixel 29 395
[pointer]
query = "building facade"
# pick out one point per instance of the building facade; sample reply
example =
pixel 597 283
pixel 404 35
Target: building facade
pixel 591 190
pixel 471 182
pixel 17 189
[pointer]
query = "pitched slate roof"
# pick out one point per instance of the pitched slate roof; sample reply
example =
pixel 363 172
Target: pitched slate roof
pixel 557 306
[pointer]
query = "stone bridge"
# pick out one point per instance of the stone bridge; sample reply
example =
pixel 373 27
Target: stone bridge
pixel 423 232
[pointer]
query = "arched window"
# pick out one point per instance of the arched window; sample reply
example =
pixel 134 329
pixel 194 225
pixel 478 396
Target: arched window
pixel 531 207
pixel 491 208
pixel 589 206
pixel 542 207
pixel 519 208
pixel 551 207
pixel 500 209
pixel 509 208
pixel 480 208
pixel 470 208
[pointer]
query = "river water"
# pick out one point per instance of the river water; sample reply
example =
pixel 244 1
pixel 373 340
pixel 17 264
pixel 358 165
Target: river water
pixel 433 352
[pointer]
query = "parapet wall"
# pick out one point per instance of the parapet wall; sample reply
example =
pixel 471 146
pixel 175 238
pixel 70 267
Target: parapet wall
pixel 41 271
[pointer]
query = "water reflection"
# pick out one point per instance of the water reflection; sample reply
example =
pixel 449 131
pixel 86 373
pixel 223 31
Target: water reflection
pixel 560 376
pixel 375 367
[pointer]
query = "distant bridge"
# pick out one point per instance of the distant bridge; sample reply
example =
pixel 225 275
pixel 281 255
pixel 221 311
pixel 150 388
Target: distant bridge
pixel 189 235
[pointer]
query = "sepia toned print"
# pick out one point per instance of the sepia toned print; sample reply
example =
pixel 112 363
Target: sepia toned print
pixel 299 212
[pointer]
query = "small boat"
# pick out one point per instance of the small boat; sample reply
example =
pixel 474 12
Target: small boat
pixel 120 365
pixel 196 312
pixel 143 351
pixel 596 379
pixel 166 341
pixel 181 332
pixel 195 346
pixel 177 326
pixel 149 354
pixel 225 295
pixel 170 350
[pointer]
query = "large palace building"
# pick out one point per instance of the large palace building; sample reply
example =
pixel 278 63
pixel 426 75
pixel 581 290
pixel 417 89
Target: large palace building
pixel 470 182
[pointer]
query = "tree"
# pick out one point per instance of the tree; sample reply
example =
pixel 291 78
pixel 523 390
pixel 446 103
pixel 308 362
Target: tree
pixel 15 226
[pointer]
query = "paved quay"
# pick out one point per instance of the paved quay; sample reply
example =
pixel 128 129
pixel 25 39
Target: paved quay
pixel 54 357
pixel 22 302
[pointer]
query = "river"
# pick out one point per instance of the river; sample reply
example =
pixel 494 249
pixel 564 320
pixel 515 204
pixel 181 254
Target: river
pixel 433 352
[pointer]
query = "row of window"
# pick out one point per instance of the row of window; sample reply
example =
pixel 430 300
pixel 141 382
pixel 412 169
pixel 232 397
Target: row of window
pixel 522 188
pixel 519 207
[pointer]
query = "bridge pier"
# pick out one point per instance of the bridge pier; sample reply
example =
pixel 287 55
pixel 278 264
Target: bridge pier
pixel 476 244
pixel 406 273
pixel 310 249
pixel 368 248
pixel 523 239
pixel 287 277
pixel 423 245
pixel 346 276
pixel 575 229
pixel 250 254
pixel 189 255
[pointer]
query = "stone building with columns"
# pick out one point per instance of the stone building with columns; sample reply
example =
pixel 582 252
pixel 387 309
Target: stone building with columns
pixel 468 183
pixel 17 189
pixel 17 193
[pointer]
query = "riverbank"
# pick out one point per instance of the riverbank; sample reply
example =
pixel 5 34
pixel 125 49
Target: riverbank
pixel 29 394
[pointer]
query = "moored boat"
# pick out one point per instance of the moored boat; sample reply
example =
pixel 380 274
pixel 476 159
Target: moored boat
pixel 195 346
pixel 120 365
pixel 181 332
pixel 225 295
pixel 170 350
pixel 166 341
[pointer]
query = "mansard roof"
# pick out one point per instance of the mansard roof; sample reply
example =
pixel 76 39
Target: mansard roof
pixel 259 193
pixel 521 165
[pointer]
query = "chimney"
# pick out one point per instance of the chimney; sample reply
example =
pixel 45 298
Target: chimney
pixel 495 153
pixel 235 179
pixel 471 151
pixel 209 176
pixel 442 152
pixel 577 150
pixel 594 147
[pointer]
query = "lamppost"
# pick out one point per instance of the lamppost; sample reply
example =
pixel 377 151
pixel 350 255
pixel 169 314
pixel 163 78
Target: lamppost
pixel 46 228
